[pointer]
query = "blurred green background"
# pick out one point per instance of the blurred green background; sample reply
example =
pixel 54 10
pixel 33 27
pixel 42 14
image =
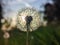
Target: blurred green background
pixel 49 35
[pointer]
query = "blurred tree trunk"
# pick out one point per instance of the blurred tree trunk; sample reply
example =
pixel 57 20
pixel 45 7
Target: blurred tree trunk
pixel 0 14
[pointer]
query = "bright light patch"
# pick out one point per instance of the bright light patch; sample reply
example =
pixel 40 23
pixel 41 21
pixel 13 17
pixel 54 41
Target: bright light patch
pixel 23 18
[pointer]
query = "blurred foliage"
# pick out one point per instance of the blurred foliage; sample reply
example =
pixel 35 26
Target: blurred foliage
pixel 49 35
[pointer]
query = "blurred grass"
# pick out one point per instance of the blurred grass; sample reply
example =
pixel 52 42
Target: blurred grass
pixel 49 35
